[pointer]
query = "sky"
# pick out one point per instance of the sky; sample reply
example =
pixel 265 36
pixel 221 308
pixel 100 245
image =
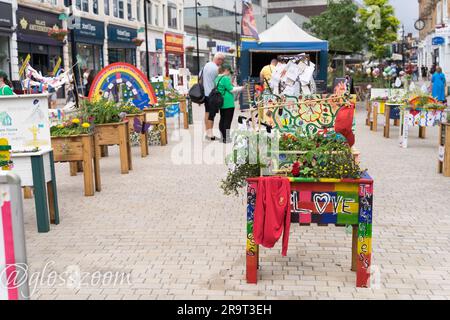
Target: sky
pixel 407 11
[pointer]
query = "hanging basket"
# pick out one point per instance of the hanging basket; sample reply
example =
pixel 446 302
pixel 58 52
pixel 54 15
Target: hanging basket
pixel 58 34
pixel 231 50
pixel 137 41
pixel 190 48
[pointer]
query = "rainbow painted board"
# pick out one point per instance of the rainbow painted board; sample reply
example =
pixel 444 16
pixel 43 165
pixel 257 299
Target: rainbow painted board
pixel 323 201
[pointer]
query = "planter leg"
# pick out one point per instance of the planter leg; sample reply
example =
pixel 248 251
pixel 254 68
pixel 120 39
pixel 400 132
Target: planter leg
pixel 53 193
pixel 355 248
pixel 123 150
pixel 422 132
pixel 27 193
pixel 104 151
pixel 40 194
pixel 375 119
pixel 143 143
pixel 88 175
pixel 73 168
pixel 252 249
pixel 387 124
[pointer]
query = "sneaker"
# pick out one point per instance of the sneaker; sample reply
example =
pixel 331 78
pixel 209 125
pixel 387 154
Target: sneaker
pixel 211 138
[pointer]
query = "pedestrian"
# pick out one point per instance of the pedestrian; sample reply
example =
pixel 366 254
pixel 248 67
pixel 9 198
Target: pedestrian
pixel 5 85
pixel 266 73
pixel 90 80
pixel 226 89
pixel 209 75
pixel 438 83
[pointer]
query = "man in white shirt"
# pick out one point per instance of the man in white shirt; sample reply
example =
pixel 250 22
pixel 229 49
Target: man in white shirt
pixel 209 73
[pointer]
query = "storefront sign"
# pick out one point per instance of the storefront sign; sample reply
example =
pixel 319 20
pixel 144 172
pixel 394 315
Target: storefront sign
pixel 121 34
pixel 90 29
pixel 158 44
pixel 437 41
pixel 6 17
pixel 36 22
pixel 222 48
pixel 174 43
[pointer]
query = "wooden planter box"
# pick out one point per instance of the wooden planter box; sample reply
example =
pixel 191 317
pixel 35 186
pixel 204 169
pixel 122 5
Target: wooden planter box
pixel 143 137
pixel 80 149
pixel 444 149
pixel 323 202
pixel 157 117
pixel 116 134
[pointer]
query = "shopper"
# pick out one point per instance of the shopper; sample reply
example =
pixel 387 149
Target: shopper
pixel 226 89
pixel 266 73
pixel 90 80
pixel 5 85
pixel 438 83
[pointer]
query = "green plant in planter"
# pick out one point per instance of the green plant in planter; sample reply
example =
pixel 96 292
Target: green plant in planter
pixel 72 127
pixel 130 108
pixel 103 111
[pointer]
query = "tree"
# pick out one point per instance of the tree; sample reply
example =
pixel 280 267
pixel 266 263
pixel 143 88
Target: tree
pixel 378 17
pixel 339 25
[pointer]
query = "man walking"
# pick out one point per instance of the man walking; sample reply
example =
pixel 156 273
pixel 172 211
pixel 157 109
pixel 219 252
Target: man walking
pixel 209 74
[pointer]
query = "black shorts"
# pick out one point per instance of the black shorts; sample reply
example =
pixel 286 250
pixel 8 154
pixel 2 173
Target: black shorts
pixel 208 109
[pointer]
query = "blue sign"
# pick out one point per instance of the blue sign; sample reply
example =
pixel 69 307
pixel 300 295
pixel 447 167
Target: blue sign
pixel 437 41
pixel 90 29
pixel 121 34
pixel 158 44
pixel 222 48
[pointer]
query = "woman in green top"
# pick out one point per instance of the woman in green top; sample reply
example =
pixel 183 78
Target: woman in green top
pixel 226 89
pixel 5 89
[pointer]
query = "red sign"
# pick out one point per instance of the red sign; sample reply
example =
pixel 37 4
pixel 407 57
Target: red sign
pixel 174 43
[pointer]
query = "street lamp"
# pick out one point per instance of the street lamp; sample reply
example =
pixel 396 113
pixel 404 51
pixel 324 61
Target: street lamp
pixel 147 54
pixel 197 14
pixel 237 36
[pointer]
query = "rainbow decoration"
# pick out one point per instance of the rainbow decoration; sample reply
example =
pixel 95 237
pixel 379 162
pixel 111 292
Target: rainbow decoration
pixel 123 82
pixel 323 201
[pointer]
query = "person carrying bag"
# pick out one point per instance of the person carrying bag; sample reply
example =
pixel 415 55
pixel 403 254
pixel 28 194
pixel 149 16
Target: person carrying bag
pixel 197 92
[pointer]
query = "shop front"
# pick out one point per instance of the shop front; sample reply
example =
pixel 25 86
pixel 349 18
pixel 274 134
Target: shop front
pixel 33 39
pixel 155 50
pixel 174 48
pixel 121 47
pixel 89 41
pixel 6 25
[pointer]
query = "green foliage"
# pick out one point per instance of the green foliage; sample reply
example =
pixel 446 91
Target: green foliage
pixel 379 19
pixel 102 111
pixel 340 26
pixel 72 127
pixel 236 179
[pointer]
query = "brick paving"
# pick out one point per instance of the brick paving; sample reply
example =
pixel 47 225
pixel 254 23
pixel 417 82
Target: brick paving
pixel 175 236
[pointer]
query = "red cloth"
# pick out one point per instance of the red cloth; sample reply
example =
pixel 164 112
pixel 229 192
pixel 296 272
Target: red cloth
pixel 272 212
pixel 344 123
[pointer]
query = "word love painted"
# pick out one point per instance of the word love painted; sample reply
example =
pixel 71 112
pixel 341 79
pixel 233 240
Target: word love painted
pixel 322 202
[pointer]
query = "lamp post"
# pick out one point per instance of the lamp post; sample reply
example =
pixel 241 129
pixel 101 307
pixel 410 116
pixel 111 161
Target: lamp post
pixel 73 46
pixel 237 36
pixel 196 34
pixel 147 54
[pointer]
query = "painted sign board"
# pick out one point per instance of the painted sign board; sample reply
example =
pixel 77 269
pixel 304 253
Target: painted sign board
pixel 24 121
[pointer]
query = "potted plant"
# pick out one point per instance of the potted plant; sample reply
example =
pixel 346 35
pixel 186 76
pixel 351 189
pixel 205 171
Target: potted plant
pixel 231 50
pixel 111 128
pixel 190 48
pixel 73 142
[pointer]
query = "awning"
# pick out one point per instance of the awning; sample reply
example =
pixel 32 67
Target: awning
pixel 5 31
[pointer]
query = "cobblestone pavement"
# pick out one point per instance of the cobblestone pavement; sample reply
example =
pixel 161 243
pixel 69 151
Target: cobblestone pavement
pixel 177 237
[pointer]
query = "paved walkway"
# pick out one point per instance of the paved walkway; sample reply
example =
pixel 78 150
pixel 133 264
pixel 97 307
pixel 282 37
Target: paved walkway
pixel 171 229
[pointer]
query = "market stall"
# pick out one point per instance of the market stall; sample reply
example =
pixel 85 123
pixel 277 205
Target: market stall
pixel 384 102
pixel 284 38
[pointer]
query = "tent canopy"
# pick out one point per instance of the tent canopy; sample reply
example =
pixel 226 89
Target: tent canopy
pixel 285 30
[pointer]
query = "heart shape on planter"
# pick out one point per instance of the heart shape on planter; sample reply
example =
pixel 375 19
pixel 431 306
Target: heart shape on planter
pixel 321 201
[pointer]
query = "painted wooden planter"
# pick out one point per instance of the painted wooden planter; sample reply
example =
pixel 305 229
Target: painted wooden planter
pixel 444 149
pixel 143 137
pixel 421 118
pixel 157 117
pixel 391 112
pixel 323 202
pixel 76 150
pixel 116 134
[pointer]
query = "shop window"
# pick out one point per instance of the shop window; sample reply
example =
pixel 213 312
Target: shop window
pixel 106 7
pixel 4 55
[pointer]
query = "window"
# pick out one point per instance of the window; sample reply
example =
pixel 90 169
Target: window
pixel 172 16
pixel 85 5
pixel 95 6
pixel 180 13
pixel 116 8
pixel 129 10
pixel 106 4
pixel 156 15
pixel 164 15
pixel 149 12
pixel 138 10
pixel 78 4
pixel 121 9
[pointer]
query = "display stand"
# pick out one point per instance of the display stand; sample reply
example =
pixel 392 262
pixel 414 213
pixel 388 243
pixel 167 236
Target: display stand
pixel 78 150
pixel 116 134
pixel 37 170
pixel 323 202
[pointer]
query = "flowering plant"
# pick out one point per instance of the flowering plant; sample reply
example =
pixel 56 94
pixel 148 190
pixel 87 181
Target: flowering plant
pixel 58 34
pixel 72 127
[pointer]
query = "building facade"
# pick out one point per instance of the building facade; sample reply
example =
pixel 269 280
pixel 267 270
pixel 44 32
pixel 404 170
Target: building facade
pixel 8 38
pixel 307 8
pixel 105 31
pixel 434 45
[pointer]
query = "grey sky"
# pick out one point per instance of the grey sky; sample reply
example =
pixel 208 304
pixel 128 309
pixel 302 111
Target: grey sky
pixel 407 11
